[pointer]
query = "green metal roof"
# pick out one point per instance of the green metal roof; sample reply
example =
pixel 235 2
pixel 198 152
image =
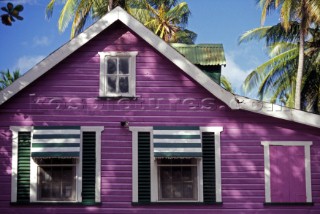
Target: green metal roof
pixel 202 54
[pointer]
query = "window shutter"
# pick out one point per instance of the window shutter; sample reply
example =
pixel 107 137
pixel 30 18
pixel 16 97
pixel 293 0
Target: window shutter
pixel 88 167
pixel 23 178
pixel 208 158
pixel 144 179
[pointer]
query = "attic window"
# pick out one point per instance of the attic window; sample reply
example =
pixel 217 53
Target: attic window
pixel 117 74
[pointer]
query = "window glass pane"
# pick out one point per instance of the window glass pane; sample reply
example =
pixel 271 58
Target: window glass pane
pixel 124 84
pixel 165 174
pixel 57 183
pixel 56 174
pixel 166 190
pixel 112 65
pixel 124 65
pixel 176 174
pixel 177 190
pixel 187 174
pixel 177 179
pixel 45 191
pixel 112 84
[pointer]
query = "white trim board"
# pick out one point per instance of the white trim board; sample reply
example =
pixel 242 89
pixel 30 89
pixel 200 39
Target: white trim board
pixel 267 176
pixel 234 102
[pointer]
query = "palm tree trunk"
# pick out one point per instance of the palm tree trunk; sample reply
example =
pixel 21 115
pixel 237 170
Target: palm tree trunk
pixel 110 5
pixel 297 100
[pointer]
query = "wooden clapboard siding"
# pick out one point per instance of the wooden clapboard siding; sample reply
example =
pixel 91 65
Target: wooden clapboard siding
pixel 67 95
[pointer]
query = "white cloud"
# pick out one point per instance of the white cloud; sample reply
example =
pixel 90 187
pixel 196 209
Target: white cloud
pixel 41 41
pixel 25 63
pixel 235 74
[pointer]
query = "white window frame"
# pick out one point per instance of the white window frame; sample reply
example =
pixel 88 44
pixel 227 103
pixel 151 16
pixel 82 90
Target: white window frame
pixel 153 166
pixel 33 166
pixel 103 92
pixel 267 174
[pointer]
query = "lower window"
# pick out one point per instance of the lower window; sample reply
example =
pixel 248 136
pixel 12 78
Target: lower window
pixel 56 179
pixel 177 179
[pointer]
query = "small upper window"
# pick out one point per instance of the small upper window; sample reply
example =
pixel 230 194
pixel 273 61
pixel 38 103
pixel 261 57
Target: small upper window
pixel 117 74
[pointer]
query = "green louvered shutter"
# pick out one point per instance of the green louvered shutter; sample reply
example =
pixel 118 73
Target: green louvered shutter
pixel 209 184
pixel 23 178
pixel 144 179
pixel 88 167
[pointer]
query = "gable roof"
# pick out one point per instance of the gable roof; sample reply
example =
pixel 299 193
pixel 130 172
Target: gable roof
pixel 231 100
pixel 202 54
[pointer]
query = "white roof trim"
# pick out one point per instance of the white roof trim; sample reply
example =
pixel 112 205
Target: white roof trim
pixel 234 102
pixel 278 111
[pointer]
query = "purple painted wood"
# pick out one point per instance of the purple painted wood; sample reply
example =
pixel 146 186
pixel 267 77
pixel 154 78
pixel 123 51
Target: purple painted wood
pixel 287 174
pixel 68 95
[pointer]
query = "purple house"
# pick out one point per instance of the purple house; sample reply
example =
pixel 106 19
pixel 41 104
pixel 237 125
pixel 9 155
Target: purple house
pixel 118 121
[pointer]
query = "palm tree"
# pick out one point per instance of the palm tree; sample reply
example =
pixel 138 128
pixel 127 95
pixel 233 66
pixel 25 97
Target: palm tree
pixel 226 84
pixel 7 78
pixel 275 79
pixel 166 18
pixel 79 11
pixel 304 11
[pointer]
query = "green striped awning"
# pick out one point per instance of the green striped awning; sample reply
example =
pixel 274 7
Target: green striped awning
pixel 56 141
pixel 169 141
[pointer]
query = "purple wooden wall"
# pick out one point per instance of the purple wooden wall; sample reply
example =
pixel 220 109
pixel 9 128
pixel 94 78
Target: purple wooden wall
pixel 67 95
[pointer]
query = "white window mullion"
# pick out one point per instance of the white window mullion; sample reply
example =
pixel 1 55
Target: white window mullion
pixel 118 76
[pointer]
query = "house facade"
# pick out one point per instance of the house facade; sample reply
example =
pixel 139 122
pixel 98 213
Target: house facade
pixel 117 121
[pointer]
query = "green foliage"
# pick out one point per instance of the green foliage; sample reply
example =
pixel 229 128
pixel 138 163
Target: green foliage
pixel 167 18
pixel 225 83
pixel 274 80
pixel 307 14
pixel 12 13
pixel 7 78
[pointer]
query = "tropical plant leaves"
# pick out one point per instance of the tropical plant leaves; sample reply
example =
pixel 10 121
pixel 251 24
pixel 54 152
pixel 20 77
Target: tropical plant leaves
pixel 12 13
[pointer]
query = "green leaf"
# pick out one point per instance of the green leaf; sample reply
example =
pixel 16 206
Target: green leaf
pixel 10 7
pixel 19 8
pixel 19 17
pixel 12 18
pixel 4 9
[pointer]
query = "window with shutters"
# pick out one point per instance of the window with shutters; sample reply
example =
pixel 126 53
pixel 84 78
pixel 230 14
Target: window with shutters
pixel 56 164
pixel 287 171
pixel 117 74
pixel 176 164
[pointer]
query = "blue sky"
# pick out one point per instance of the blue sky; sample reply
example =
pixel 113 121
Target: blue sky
pixel 215 21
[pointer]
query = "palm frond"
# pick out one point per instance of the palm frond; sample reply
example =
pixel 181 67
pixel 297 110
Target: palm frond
pixel 225 83
pixel 66 15
pixel 254 34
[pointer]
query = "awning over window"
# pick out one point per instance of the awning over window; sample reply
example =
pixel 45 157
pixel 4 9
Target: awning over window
pixel 56 141
pixel 177 141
